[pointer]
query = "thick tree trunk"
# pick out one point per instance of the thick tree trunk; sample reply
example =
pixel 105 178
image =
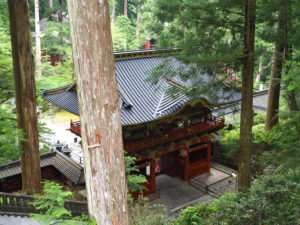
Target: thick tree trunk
pixel 244 157
pixel 126 8
pixel 38 53
pixel 274 88
pixel 23 62
pixel 50 2
pixel 99 111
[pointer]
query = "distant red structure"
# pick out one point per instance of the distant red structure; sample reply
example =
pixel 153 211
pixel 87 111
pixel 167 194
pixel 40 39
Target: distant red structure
pixel 149 44
pixel 54 59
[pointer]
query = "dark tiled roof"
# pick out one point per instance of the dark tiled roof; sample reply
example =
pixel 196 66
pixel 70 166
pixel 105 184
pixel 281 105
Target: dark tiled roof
pixel 64 164
pixel 260 101
pixel 143 101
pixel 17 220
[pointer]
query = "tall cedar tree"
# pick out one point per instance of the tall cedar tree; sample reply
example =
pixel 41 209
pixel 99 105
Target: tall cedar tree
pixel 288 50
pixel 290 94
pixel 99 111
pixel 23 63
pixel 274 89
pixel 244 165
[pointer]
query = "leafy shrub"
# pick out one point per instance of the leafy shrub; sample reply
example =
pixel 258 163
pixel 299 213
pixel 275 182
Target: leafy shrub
pixel 10 135
pixel 51 205
pixel 229 142
pixel 273 199
pixel 141 212
pixel 285 142
pixel 133 178
pixel 195 215
pixel 259 118
pixel 259 134
pixel 123 34
pixel 6 69
pixel 52 201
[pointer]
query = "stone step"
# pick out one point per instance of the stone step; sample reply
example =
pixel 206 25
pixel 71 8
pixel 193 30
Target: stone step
pixel 194 202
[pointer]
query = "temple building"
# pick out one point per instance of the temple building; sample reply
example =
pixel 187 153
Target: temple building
pixel 55 166
pixel 164 128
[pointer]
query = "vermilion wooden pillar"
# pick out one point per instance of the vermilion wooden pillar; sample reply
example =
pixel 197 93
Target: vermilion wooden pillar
pixel 208 157
pixel 186 175
pixel 152 176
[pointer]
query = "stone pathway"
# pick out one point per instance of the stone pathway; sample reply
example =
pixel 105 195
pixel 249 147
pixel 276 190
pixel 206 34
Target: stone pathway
pixel 59 126
pixel 177 194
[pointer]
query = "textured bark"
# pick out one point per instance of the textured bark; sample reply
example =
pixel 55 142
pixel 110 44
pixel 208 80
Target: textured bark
pixel 244 157
pixel 292 101
pixel 288 55
pixel 60 12
pixel 259 72
pixel 261 68
pixel 23 62
pixel 38 54
pixel 274 88
pixel 99 111
pixel 113 13
pixel 50 2
pixel 126 8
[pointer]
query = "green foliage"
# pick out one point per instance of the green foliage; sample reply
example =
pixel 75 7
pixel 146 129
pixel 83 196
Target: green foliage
pixel 10 135
pixel 44 137
pixel 123 33
pixel 230 138
pixel 134 179
pixel 142 212
pixel 6 70
pixel 293 74
pixel 209 32
pixel 195 215
pixel 52 201
pixel 259 134
pixel 230 142
pixel 285 141
pixel 150 25
pixel 273 199
pixel 57 39
pixel 51 205
pixel 53 77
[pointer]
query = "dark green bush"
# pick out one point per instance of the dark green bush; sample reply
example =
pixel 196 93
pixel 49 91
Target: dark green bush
pixel 273 199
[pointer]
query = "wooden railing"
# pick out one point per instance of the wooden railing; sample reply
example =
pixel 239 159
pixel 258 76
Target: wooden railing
pixel 166 137
pixel 18 204
pixel 174 135
pixel 75 127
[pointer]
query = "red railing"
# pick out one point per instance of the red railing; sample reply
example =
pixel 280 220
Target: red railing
pixel 75 127
pixel 166 137
pixel 174 135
